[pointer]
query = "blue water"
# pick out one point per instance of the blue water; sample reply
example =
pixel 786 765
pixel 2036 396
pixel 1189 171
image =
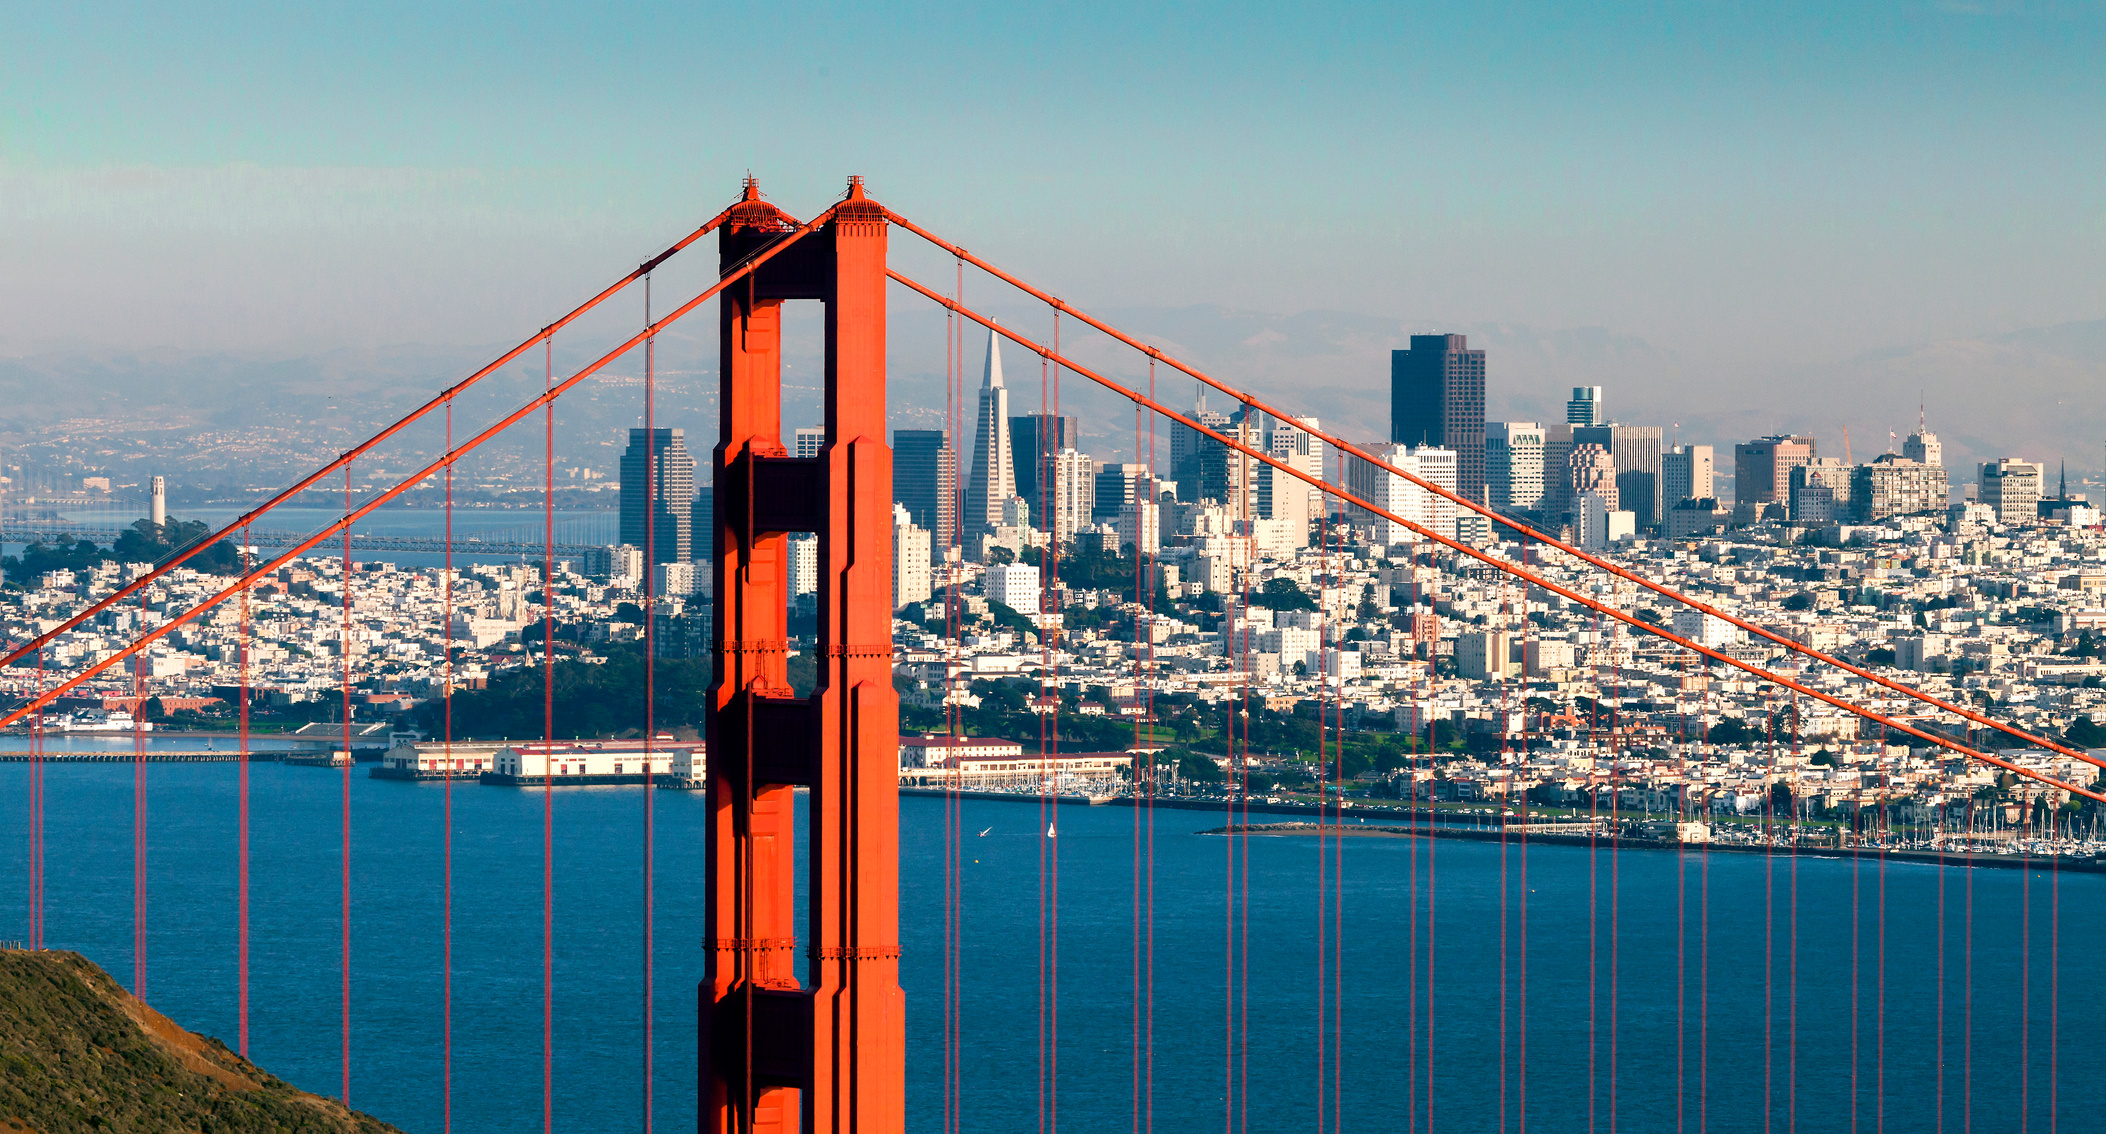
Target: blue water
pixel 1646 984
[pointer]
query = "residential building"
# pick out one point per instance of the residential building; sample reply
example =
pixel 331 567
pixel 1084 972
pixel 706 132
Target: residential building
pixel 1896 486
pixel 910 559
pixel 1436 400
pixel 1014 585
pixel 657 466
pixel 1400 496
pixel 1069 485
pixel 803 567
pixel 1708 630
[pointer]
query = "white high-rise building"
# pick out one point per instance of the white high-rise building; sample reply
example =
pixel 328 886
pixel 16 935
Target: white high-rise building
pixel 911 579
pixel 1401 497
pixel 2012 488
pixel 1924 448
pixel 1513 465
pixel 993 476
pixel 804 565
pixel 1014 585
pixel 1073 492
pixel 810 439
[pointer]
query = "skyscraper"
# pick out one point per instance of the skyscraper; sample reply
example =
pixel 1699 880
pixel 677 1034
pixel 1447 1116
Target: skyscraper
pixel 1594 471
pixel 1186 444
pixel 1034 438
pixel 993 476
pixel 661 457
pixel 1401 497
pixel 1762 468
pixel 925 481
pixel 1585 407
pixel 1436 397
pixel 1636 451
pixel 809 440
pixel 1513 465
pixel 1687 472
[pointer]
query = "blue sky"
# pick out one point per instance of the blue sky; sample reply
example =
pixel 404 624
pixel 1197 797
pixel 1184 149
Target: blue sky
pixel 1788 183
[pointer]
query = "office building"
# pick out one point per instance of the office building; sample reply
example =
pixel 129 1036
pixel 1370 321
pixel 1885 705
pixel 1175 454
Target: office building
pixel 910 560
pixel 665 524
pixel 1762 468
pixel 2011 489
pixel 808 441
pixel 1820 492
pixel 1513 465
pixel 1034 440
pixel 1190 449
pixel 992 479
pixel 1635 451
pixel 1228 476
pixel 702 528
pixel 1923 448
pixel 1557 470
pixel 1895 486
pixel 1687 472
pixel 925 481
pixel 1436 399
pixel 1585 407
pixel 1593 471
pixel 1117 487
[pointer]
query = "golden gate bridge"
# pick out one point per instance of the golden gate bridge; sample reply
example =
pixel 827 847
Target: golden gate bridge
pixel 828 1051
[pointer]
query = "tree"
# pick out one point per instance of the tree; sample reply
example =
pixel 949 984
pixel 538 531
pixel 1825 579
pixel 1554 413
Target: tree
pixel 40 557
pixel 1201 769
pixel 1000 556
pixel 1800 601
pixel 1648 614
pixel 1780 798
pixel 1732 730
pixel 153 710
pixel 145 542
pixel 1282 593
pixel 2084 733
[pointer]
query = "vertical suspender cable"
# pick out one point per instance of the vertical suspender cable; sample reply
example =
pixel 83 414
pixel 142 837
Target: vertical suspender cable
pixel 139 819
pixel 650 817
pixel 446 756
pixel 548 779
pixel 344 821
pixel 242 756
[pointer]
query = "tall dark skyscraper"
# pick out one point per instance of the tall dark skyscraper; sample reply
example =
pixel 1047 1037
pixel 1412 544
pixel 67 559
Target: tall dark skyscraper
pixel 1436 397
pixel 1033 440
pixel 925 480
pixel 672 503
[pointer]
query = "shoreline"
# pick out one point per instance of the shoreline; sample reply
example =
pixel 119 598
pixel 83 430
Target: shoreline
pixel 2065 863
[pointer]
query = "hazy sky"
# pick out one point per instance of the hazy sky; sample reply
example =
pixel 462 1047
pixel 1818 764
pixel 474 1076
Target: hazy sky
pixel 1738 185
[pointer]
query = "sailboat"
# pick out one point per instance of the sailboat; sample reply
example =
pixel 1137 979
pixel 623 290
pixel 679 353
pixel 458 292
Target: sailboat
pixel 1049 831
pixel 983 834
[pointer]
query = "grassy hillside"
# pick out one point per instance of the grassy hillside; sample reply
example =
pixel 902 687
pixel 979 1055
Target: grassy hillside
pixel 79 1053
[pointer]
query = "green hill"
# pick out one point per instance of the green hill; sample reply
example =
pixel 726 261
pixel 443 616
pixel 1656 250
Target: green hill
pixel 79 1053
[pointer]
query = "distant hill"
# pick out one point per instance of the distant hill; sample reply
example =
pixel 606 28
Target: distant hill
pixel 79 1053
